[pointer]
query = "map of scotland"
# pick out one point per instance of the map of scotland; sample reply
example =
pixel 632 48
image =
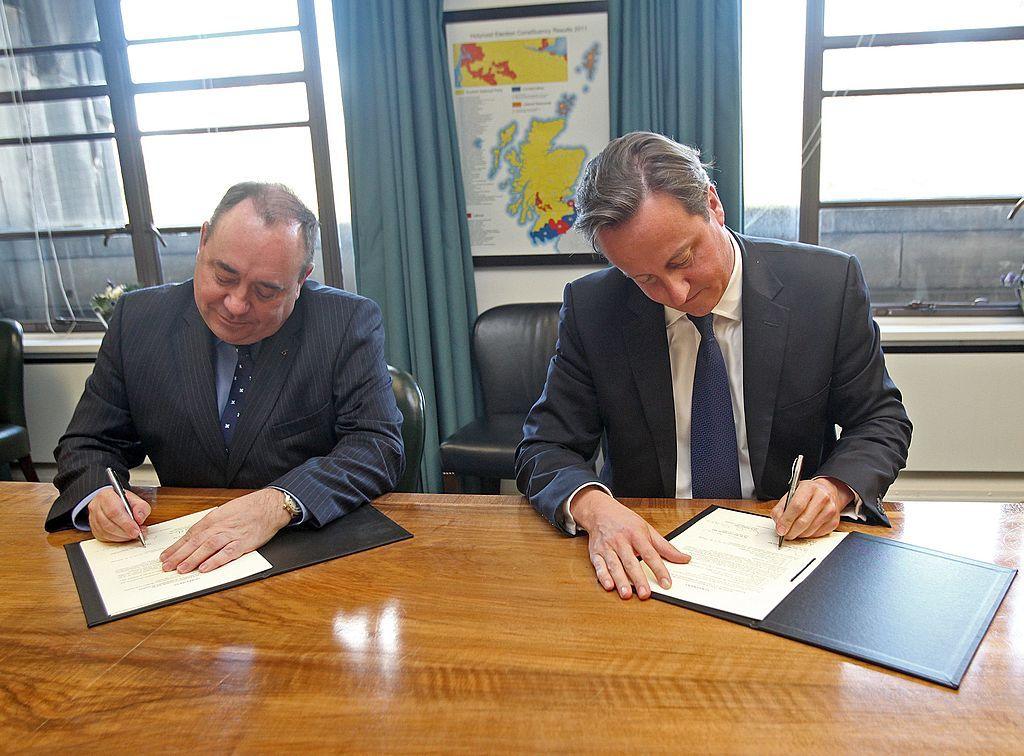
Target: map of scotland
pixel 530 111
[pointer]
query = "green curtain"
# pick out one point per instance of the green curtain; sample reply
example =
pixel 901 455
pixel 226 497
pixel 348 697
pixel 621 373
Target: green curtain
pixel 675 69
pixel 408 211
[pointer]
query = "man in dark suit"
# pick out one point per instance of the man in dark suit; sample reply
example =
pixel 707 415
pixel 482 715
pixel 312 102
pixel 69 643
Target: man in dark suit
pixel 705 362
pixel 247 376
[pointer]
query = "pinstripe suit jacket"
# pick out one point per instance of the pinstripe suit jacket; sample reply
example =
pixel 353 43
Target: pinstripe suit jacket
pixel 322 421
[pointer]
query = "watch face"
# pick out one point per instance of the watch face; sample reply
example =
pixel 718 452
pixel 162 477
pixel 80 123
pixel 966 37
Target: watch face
pixel 291 506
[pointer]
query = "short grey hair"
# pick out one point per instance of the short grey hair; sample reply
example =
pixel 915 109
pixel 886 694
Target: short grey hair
pixel 640 163
pixel 274 203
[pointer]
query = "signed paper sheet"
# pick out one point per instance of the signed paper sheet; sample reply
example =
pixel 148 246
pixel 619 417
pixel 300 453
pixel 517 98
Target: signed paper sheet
pixel 129 576
pixel 737 566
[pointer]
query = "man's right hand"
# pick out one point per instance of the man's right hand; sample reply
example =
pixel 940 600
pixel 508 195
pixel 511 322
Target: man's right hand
pixel 617 536
pixel 108 519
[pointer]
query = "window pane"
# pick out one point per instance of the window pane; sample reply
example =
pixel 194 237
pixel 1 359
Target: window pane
pixel 56 118
pixel 773 69
pixel 145 19
pixel 211 108
pixel 929 254
pixel 78 267
pixel 51 70
pixel 215 58
pixel 178 258
pixel 924 65
pixel 49 22
pixel 63 185
pixel 955 144
pixel 884 16
pixel 189 173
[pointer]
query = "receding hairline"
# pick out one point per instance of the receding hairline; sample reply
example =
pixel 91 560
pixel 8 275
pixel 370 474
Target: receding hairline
pixel 274 204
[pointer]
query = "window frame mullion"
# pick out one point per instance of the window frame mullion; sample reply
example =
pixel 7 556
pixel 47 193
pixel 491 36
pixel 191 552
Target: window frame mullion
pixel 810 171
pixel 114 50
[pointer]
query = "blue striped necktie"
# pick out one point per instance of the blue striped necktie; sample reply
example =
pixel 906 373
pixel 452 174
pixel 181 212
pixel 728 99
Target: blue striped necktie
pixel 714 460
pixel 240 384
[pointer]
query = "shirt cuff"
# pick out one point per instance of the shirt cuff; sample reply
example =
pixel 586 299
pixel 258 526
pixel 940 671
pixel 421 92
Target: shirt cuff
pixel 570 523
pixel 81 507
pixel 852 510
pixel 302 507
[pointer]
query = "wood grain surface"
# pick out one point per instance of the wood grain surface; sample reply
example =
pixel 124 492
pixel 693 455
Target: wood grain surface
pixel 485 632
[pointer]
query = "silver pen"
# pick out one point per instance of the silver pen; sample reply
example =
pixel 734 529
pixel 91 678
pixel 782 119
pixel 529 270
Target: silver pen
pixel 794 479
pixel 124 499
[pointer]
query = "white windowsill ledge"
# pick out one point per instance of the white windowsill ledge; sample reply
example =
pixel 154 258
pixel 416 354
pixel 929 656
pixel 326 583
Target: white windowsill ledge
pixel 951 330
pixel 63 345
pixel 904 331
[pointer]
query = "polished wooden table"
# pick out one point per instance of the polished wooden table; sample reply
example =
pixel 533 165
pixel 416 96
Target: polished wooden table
pixel 485 632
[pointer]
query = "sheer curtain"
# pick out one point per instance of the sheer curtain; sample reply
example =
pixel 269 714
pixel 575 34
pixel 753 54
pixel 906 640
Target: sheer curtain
pixel 51 181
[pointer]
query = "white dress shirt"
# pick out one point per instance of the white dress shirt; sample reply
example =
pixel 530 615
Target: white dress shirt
pixel 683 341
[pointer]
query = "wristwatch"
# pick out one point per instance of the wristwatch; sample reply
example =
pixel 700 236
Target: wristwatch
pixel 291 507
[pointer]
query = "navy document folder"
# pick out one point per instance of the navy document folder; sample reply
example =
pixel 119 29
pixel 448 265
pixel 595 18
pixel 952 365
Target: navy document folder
pixel 365 528
pixel 912 609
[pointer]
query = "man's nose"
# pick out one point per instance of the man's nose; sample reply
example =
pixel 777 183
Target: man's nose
pixel 678 291
pixel 236 304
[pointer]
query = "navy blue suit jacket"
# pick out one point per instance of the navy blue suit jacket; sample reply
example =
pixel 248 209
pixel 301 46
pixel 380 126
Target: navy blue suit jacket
pixel 812 360
pixel 322 421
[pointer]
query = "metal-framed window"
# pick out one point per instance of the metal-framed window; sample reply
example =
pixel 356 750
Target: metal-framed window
pixel 104 117
pixel 894 170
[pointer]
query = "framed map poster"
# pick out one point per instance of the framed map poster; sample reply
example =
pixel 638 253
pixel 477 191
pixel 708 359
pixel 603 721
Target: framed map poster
pixel 530 88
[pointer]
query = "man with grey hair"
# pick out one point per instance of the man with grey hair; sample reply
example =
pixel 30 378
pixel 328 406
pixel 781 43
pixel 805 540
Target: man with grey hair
pixel 704 362
pixel 246 376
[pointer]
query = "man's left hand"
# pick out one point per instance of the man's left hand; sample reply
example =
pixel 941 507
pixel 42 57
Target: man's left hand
pixel 814 510
pixel 229 531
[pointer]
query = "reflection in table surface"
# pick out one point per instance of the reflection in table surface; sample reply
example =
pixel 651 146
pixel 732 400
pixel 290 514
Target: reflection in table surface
pixel 486 631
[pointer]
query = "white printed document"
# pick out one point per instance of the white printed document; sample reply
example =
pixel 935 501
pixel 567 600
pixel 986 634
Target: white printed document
pixel 129 575
pixel 736 564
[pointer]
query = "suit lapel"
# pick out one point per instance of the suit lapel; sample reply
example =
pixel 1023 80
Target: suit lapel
pixel 765 329
pixel 197 384
pixel 646 343
pixel 276 355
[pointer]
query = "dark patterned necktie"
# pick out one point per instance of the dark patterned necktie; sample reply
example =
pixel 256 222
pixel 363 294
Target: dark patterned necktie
pixel 240 384
pixel 714 460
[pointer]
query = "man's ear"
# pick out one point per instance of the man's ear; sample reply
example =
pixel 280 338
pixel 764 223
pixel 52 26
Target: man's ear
pixel 204 234
pixel 304 276
pixel 715 205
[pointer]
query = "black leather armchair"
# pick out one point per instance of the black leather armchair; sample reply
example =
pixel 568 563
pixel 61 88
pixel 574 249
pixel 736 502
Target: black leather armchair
pixel 13 426
pixel 512 346
pixel 409 399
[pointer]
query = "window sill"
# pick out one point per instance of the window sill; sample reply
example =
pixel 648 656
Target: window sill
pixel 951 330
pixel 55 346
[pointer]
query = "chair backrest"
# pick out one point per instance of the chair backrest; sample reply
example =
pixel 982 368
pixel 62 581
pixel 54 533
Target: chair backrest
pixel 12 373
pixel 409 399
pixel 512 346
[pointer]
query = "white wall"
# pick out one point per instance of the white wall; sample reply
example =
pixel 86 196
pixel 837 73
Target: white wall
pixel 967 410
pixel 497 286
pixel 52 390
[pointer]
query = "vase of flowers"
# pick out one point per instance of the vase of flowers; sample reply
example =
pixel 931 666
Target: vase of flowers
pixel 103 302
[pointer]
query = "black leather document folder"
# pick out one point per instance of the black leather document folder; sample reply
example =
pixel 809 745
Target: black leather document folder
pixel 905 607
pixel 365 528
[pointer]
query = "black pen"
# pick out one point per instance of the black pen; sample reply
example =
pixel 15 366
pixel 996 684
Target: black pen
pixel 124 499
pixel 794 479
